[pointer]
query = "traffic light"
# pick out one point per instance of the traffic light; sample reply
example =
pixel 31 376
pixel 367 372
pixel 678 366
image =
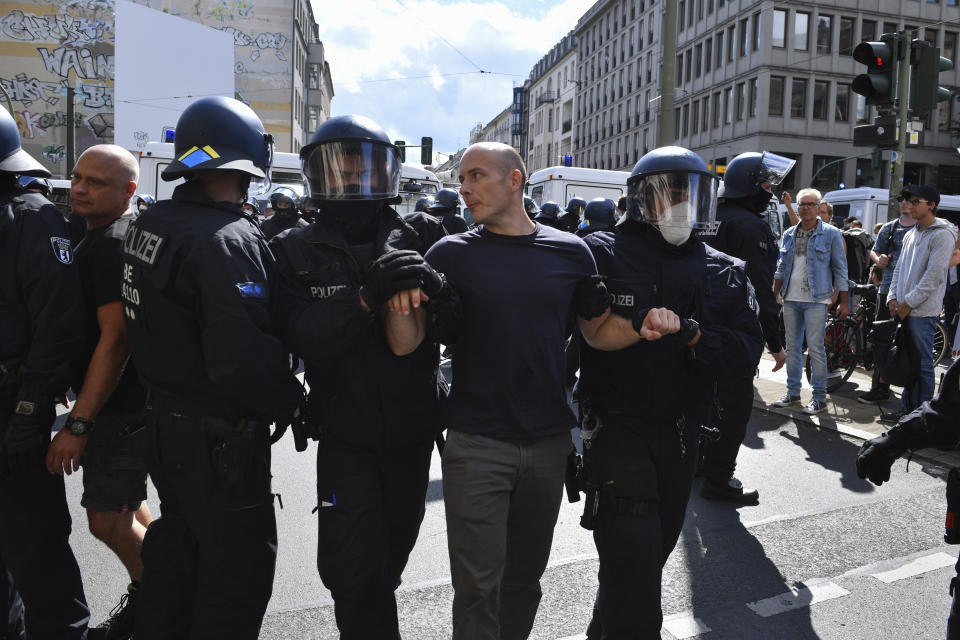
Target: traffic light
pixel 402 146
pixel 882 133
pixel 926 63
pixel 879 84
pixel 426 151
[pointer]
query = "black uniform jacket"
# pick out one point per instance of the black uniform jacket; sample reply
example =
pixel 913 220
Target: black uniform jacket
pixel 746 235
pixel 278 223
pixel 41 304
pixel 196 295
pixel 359 389
pixel 661 379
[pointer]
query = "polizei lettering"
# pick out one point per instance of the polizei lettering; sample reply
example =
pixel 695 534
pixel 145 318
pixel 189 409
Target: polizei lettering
pixel 326 292
pixel 142 245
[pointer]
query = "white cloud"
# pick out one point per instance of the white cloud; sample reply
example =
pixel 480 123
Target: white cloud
pixel 389 60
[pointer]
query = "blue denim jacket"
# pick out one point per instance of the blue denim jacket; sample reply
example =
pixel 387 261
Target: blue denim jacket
pixel 826 262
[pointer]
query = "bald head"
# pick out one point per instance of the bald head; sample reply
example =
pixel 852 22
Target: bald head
pixel 492 176
pixel 103 181
pixel 505 156
pixel 127 168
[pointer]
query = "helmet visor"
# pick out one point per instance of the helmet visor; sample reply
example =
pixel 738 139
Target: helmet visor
pixel 774 168
pixel 351 170
pixel 675 199
pixel 259 186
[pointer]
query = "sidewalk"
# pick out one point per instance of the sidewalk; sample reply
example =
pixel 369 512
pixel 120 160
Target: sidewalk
pixel 844 414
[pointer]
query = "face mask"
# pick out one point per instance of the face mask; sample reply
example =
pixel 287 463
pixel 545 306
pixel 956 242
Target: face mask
pixel 674 224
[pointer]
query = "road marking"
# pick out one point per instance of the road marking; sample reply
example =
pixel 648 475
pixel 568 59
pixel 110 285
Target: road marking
pixel 579 636
pixel 684 625
pixel 916 567
pixel 791 600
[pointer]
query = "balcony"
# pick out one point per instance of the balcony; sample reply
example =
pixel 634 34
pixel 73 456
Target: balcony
pixel 546 96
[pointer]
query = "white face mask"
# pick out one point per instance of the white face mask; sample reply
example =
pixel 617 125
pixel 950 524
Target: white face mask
pixel 675 224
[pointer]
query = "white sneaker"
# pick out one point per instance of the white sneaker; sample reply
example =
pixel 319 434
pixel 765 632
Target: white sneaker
pixel 815 406
pixel 787 400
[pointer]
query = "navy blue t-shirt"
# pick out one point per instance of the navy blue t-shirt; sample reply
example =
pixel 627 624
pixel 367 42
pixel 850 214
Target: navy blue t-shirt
pixel 508 366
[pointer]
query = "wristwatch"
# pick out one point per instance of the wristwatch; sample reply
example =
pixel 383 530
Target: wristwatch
pixel 78 426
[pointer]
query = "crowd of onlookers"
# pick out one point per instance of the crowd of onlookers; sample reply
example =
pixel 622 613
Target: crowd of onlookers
pixel 912 260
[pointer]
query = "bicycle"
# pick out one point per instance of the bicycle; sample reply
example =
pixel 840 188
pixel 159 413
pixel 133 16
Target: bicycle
pixel 845 341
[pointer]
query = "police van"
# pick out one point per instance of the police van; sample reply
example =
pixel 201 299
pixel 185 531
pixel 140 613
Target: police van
pixel 560 184
pixel 285 171
pixel 415 183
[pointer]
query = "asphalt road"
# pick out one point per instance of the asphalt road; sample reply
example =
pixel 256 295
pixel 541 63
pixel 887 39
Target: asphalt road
pixel 803 564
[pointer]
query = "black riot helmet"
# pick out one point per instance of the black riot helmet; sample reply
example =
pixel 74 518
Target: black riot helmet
pixel 254 206
pixel 445 201
pixel 423 204
pixel 600 214
pixel 672 189
pixel 576 206
pixel 283 199
pixel 222 134
pixel 747 172
pixel 145 199
pixel 36 183
pixel 351 158
pixel 548 212
pixel 530 206
pixel 13 159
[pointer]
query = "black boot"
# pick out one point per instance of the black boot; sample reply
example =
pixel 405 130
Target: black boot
pixel 119 626
pixel 729 490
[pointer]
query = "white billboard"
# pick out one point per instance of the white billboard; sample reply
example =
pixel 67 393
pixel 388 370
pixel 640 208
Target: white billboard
pixel 163 63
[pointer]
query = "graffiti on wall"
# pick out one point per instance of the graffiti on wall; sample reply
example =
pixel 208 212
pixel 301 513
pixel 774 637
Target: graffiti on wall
pixel 82 61
pixel 66 29
pixel 95 96
pixel 231 9
pixel 54 152
pixel 264 41
pixel 141 138
pixel 30 90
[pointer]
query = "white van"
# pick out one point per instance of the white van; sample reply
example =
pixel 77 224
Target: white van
pixel 560 184
pixel 416 183
pixel 156 156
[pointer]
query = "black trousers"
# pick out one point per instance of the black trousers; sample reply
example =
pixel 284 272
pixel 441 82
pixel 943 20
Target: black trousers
pixel 35 548
pixel 720 456
pixel 645 484
pixel 208 561
pixel 11 611
pixel 371 504
pixel 883 313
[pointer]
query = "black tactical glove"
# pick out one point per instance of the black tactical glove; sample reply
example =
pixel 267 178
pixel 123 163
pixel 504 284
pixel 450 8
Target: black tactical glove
pixel 390 273
pixel 591 298
pixel 878 455
pixel 431 281
pixel 28 434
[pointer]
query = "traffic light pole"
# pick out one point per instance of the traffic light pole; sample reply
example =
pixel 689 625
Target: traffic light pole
pixel 903 100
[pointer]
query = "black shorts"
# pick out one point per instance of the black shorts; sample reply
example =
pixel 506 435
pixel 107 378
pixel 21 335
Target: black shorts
pixel 115 464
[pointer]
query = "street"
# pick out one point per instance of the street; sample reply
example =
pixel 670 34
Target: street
pixel 824 555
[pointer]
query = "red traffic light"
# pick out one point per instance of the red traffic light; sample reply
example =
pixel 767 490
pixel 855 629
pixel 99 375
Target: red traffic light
pixel 876 55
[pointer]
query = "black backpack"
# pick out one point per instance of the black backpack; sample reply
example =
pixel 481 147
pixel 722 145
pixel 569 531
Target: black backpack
pixel 894 353
pixel 858 243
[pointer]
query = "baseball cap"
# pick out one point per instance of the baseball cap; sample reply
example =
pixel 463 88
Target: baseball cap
pixel 924 191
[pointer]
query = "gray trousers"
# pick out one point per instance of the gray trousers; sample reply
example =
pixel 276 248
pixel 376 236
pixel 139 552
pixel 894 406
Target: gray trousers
pixel 502 499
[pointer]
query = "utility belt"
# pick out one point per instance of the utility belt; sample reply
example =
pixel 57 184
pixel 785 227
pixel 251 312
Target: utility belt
pixel 180 407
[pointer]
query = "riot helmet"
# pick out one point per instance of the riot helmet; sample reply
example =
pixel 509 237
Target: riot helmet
pixel 13 159
pixel 672 189
pixel 576 207
pixel 746 173
pixel 445 201
pixel 423 204
pixel 283 201
pixel 251 206
pixel 548 212
pixel 530 206
pixel 600 214
pixel 222 134
pixel 351 158
pixel 144 200
pixel 35 183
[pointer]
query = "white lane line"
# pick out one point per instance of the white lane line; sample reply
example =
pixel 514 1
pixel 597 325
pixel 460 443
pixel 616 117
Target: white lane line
pixel 916 567
pixel 811 594
pixel 684 625
pixel 580 636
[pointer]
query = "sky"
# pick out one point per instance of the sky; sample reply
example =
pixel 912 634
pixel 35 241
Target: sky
pixel 414 66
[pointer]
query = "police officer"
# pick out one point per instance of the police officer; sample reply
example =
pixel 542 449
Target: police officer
pixel 548 214
pixel 530 206
pixel 423 204
pixel 378 412
pixel 309 209
pixel 144 200
pixel 570 219
pixel 37 184
pixel 642 406
pixel 744 233
pixel 252 208
pixel 196 295
pixel 935 423
pixel 445 207
pixel 286 213
pixel 600 214
pixel 41 332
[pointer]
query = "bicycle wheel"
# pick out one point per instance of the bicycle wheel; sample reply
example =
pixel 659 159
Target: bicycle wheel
pixel 843 343
pixel 939 343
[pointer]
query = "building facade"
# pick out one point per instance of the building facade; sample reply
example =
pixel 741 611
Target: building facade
pixel 500 129
pixel 551 91
pixel 751 76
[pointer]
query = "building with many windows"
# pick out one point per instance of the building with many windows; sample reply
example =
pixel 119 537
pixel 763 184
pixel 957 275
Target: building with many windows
pixel 754 75
pixel 550 94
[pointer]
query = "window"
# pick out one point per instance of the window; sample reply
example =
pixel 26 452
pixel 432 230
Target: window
pixel 716 110
pixel 846 36
pixel 943 114
pixel 863 111
pixel 824 34
pixel 949 44
pixel 698 61
pixel 705 123
pixel 719 49
pixel 731 32
pixel 679 69
pixel 688 60
pixel 708 55
pixel 775 107
pixel 779 37
pixel 741 100
pixel 695 116
pixel 756 32
pixel 842 106
pixel 686 120
pixel 821 97
pixel 753 90
pixel 868 30
pixel 676 123
pixel 743 38
pixel 313 118
pixel 828 176
pixel 313 77
pixel 798 99
pixel 801 22
pixel 681 12
pixel 727 105
pixel 889 27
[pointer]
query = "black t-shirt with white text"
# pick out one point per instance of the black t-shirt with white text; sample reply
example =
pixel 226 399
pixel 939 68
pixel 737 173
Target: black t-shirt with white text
pixel 516 294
